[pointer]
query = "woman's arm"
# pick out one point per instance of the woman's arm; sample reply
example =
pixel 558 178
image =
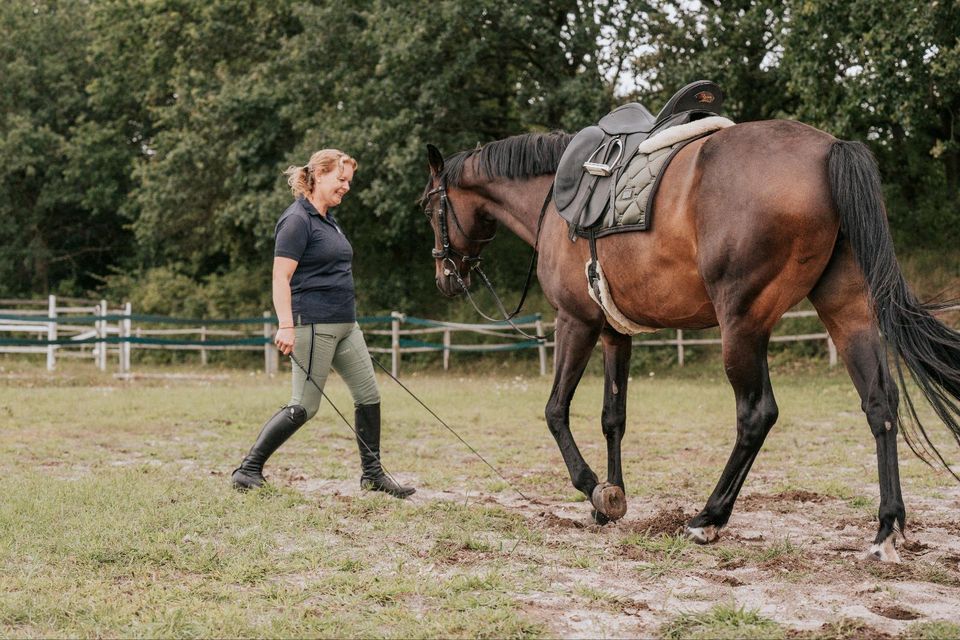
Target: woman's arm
pixel 283 269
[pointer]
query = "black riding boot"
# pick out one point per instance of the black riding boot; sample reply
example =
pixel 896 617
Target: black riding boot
pixel 249 475
pixel 368 440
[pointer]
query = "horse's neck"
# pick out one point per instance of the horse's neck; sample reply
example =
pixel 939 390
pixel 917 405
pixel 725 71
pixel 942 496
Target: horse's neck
pixel 517 203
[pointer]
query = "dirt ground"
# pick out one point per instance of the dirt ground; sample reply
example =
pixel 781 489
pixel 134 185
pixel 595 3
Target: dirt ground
pixel 796 557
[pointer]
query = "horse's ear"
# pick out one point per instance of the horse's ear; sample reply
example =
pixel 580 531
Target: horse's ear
pixel 435 158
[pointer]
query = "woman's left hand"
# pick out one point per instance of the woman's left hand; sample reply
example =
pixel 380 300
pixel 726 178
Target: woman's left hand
pixel 285 339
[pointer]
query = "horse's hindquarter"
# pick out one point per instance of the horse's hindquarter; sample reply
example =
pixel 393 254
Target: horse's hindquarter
pixel 743 220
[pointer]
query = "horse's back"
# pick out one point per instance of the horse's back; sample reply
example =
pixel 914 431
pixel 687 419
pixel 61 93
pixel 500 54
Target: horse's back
pixel 742 218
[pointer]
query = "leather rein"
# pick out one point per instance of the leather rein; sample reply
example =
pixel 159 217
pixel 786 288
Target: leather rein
pixel 446 254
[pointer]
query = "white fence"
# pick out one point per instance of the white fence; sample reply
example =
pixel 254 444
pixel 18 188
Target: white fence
pixel 93 330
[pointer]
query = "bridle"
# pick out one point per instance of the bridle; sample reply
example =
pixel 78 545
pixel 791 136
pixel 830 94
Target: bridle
pixel 446 252
pixel 472 262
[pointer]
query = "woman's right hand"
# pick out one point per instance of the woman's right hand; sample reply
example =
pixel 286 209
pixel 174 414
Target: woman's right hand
pixel 285 339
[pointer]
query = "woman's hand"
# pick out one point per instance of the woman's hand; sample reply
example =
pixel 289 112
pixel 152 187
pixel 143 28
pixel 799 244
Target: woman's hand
pixel 285 339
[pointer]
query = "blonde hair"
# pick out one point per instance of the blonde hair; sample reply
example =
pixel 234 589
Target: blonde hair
pixel 300 179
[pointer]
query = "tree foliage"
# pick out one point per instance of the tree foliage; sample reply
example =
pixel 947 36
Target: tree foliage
pixel 142 154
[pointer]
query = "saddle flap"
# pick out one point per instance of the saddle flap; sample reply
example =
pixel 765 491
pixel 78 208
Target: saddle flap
pixel 570 169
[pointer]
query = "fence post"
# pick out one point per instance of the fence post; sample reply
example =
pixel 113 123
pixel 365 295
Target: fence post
pixel 102 334
pixel 680 352
pixel 446 349
pixel 395 342
pixel 270 363
pixel 126 345
pixel 52 332
pixel 542 347
pixel 832 348
pixel 203 351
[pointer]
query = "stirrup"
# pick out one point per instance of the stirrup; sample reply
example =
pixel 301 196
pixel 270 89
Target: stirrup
pixel 604 169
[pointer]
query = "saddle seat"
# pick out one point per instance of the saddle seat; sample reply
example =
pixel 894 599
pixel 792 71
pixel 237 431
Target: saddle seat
pixel 591 163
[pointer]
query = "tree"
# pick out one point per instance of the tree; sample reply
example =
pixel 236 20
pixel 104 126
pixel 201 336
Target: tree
pixel 64 173
pixel 889 73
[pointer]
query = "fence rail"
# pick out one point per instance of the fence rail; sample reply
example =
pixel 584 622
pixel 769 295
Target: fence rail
pixel 93 330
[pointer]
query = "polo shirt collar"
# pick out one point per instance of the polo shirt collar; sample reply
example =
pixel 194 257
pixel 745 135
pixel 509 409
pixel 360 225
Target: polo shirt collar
pixel 310 209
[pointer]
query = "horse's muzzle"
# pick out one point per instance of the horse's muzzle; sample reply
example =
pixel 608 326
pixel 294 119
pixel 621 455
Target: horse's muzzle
pixel 449 285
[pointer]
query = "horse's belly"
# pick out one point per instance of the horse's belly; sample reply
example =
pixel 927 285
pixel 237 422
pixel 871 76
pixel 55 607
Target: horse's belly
pixel 657 290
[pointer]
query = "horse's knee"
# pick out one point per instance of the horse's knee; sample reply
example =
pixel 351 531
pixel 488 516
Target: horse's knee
pixel 556 416
pixel 755 420
pixel 613 422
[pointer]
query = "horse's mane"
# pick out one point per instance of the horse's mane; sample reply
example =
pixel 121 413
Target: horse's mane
pixel 523 156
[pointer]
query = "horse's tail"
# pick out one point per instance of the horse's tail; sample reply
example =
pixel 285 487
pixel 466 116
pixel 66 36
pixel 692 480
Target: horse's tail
pixel 918 342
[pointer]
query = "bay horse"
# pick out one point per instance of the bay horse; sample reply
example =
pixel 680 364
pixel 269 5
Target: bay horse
pixel 747 222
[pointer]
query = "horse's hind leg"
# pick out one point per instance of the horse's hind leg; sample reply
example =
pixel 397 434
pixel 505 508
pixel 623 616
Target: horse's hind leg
pixel 841 302
pixel 745 361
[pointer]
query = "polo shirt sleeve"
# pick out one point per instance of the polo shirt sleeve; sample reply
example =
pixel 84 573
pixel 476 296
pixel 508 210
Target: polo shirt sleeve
pixel 292 235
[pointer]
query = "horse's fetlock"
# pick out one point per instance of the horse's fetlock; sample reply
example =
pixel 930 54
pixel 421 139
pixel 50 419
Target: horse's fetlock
pixel 585 482
pixel 892 513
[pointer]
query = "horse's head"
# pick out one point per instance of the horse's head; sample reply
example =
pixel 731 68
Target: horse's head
pixel 459 226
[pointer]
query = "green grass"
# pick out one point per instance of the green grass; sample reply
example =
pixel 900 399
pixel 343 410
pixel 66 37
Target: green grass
pixel 933 631
pixel 116 518
pixel 722 622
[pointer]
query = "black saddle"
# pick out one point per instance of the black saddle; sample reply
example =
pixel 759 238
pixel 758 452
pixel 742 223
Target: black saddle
pixel 587 174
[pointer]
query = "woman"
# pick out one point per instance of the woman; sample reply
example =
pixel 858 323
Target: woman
pixel 313 295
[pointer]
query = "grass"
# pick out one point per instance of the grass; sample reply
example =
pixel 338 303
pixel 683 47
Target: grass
pixel 117 518
pixel 722 622
pixel 934 631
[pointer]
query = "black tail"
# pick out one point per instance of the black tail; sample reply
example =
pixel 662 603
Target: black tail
pixel 918 342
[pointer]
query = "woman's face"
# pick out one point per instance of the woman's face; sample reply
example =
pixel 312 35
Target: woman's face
pixel 329 188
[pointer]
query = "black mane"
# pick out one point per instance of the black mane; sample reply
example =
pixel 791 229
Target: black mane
pixel 523 156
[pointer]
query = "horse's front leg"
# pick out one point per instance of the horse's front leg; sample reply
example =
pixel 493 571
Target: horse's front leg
pixel 745 361
pixel 616 370
pixel 574 341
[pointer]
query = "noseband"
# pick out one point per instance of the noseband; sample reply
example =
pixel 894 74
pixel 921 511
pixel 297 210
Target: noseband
pixel 446 253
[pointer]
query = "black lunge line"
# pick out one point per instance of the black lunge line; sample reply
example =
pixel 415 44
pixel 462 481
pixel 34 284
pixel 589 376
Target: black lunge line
pixel 343 417
pixel 448 427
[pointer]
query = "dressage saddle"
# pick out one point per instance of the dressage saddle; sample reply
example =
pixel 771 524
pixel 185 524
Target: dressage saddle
pixel 585 184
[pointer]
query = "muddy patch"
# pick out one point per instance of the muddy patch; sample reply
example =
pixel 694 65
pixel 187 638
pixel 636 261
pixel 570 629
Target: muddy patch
pixel 783 501
pixel 894 612
pixel 666 522
pixel 552 521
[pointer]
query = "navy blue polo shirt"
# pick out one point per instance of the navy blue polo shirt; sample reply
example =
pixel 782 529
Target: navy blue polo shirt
pixel 322 285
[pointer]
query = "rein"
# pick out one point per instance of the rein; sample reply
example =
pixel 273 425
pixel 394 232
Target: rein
pixel 473 262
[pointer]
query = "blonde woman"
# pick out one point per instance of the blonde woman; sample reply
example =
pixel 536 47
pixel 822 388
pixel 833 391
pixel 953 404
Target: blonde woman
pixel 313 295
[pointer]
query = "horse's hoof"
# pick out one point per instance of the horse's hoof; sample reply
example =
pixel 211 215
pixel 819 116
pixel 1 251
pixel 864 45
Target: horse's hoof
pixel 609 500
pixel 886 551
pixel 598 517
pixel 703 535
